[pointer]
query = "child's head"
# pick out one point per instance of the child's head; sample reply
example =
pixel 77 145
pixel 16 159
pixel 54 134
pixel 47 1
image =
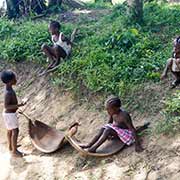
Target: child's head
pixel 112 105
pixel 54 27
pixel 176 44
pixel 8 77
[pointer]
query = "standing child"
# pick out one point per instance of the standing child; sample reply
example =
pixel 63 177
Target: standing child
pixel 173 64
pixel 61 45
pixel 10 107
pixel 119 126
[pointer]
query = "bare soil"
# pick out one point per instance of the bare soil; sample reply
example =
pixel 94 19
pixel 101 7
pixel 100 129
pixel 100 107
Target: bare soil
pixel 159 160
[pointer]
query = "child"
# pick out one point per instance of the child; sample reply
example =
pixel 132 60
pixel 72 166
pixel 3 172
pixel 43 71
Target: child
pixel 61 45
pixel 119 125
pixel 10 107
pixel 173 64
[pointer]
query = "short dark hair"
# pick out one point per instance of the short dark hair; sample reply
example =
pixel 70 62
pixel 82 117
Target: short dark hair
pixel 7 76
pixel 55 24
pixel 113 101
pixel 177 41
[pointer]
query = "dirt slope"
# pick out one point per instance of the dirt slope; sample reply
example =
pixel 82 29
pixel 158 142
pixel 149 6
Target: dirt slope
pixel 160 159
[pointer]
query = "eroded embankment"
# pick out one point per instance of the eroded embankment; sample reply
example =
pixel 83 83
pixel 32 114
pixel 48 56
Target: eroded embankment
pixel 160 159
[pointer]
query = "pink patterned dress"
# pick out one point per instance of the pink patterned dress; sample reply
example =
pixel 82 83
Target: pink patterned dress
pixel 125 135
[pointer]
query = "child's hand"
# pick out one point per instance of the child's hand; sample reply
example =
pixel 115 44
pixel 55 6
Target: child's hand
pixel 138 148
pixel 24 102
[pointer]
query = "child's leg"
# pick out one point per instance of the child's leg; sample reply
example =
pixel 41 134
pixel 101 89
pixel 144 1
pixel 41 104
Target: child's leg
pixel 167 68
pixel 176 82
pixel 49 52
pixel 94 140
pixel 106 133
pixel 9 135
pixel 14 138
pixel 58 53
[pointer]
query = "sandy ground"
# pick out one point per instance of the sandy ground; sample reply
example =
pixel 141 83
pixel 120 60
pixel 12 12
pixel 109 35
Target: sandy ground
pixel 159 161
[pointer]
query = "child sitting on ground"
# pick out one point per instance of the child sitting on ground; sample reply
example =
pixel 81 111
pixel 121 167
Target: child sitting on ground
pixel 61 45
pixel 9 114
pixel 173 64
pixel 119 126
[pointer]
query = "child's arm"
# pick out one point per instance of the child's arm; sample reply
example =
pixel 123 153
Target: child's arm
pixel 129 124
pixel 64 38
pixel 110 120
pixel 167 68
pixel 8 105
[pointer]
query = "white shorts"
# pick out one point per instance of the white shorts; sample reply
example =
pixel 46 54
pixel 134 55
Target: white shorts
pixel 10 120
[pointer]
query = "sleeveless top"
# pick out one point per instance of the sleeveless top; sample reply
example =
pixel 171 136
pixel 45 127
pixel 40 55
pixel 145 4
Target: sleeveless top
pixel 176 65
pixel 66 47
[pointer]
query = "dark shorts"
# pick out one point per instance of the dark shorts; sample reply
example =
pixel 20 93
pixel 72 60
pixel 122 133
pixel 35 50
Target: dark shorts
pixel 62 51
pixel 176 74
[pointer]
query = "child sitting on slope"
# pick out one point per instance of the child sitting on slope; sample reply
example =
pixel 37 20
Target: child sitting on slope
pixel 61 45
pixel 119 125
pixel 173 64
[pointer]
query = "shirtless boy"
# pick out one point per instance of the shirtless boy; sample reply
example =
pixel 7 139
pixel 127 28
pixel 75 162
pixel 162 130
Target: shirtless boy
pixel 61 45
pixel 119 126
pixel 173 64
pixel 9 115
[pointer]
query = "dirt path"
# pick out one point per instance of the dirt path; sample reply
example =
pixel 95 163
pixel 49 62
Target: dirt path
pixel 160 160
pixel 85 15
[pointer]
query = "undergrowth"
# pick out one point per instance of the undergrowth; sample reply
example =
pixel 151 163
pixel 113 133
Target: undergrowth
pixel 171 122
pixel 110 55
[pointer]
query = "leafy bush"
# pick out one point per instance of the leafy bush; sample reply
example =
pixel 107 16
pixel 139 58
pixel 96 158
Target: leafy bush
pixel 109 54
pixel 20 41
pixel 171 112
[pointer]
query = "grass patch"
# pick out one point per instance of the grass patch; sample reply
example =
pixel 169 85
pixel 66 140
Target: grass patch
pixel 171 122
pixel 111 55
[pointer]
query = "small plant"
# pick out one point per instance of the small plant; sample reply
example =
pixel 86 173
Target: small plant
pixel 171 112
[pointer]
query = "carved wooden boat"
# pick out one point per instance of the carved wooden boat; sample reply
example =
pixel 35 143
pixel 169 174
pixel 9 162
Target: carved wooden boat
pixel 108 148
pixel 45 138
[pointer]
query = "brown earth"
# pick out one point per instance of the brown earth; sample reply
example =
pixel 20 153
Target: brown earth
pixel 159 160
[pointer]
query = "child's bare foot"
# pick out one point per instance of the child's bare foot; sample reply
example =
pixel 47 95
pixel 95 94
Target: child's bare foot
pixel 10 148
pixel 56 63
pixel 17 154
pixel 174 84
pixel 51 65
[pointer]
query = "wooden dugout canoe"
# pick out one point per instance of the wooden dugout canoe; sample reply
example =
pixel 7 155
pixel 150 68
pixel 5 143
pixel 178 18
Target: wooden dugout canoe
pixel 45 138
pixel 108 148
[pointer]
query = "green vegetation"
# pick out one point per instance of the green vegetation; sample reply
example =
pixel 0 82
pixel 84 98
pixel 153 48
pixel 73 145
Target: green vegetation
pixel 22 40
pixel 115 53
pixel 171 113
pixel 110 55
